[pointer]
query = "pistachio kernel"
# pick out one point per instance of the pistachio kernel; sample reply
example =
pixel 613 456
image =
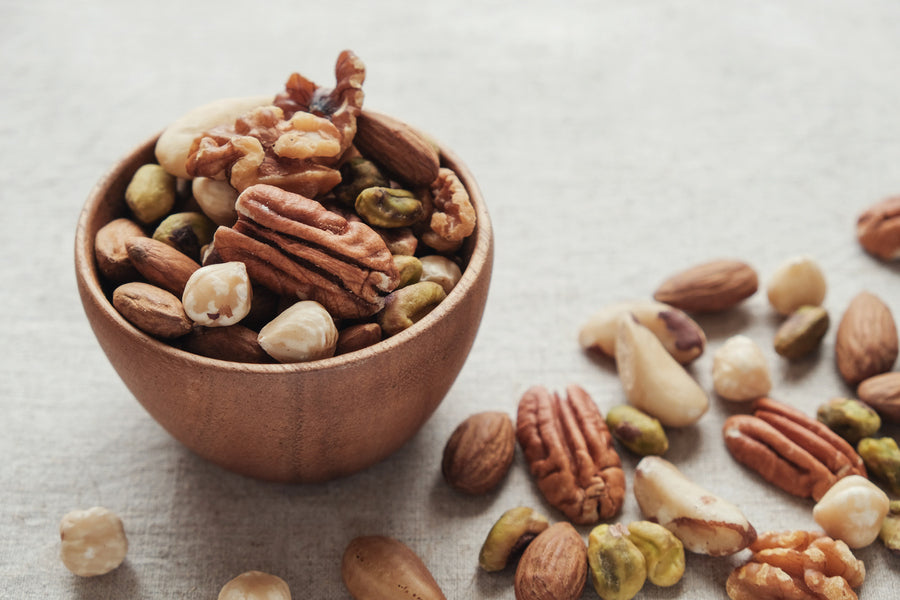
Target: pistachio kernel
pixel 151 193
pixel 637 431
pixel 618 568
pixel 663 552
pixel 408 305
pixel 850 419
pixel 509 536
pixel 388 207
pixel 802 332
pixel 890 528
pixel 187 232
pixel 882 458
pixel 358 174
pixel 409 267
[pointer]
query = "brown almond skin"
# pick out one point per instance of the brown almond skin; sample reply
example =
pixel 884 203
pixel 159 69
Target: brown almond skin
pixel 382 568
pixel 233 343
pixel 152 310
pixel 878 229
pixel 866 343
pixel 110 250
pixel 161 264
pixel 554 565
pixel 709 287
pixel 479 452
pixel 397 147
pixel 882 393
pixel 357 337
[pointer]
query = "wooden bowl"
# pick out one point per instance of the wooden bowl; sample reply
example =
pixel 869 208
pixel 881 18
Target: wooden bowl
pixel 304 422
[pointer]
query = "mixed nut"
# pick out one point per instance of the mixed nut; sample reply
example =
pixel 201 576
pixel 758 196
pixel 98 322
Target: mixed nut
pixel 259 210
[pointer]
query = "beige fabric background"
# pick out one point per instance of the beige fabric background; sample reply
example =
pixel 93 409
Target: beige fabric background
pixel 615 143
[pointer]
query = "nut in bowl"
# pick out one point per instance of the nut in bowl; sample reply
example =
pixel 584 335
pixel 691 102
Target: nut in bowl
pixel 292 421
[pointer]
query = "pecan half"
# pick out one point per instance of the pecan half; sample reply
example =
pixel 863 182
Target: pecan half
pixel 570 452
pixel 297 248
pixel 797 564
pixel 789 449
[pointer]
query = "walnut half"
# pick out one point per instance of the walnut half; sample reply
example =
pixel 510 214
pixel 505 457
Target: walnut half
pixel 800 565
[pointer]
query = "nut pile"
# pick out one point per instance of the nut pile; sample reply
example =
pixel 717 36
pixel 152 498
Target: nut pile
pixel 571 450
pixel 298 226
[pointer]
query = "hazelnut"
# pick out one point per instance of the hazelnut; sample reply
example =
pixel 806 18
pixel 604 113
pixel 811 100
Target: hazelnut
pixel 93 541
pixel 255 585
pixel 303 332
pixel 740 371
pixel 797 282
pixel 852 511
pixel 218 294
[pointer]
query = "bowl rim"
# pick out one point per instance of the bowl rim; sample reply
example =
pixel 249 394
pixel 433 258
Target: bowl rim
pixel 480 261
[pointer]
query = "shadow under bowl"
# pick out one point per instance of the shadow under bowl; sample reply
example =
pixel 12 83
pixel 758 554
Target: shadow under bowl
pixel 302 422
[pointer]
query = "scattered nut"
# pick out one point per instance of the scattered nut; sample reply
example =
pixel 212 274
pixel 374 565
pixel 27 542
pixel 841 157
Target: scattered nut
pixel 890 528
pixel 111 252
pixel 850 419
pixel 440 270
pixel 406 306
pixel 255 585
pixel 789 449
pixel 637 431
pixel 709 287
pixel 797 564
pixel 704 522
pixel 303 332
pixel 802 332
pixel 570 452
pixel 618 568
pixel 653 381
pixel 151 309
pixel 510 535
pixel 878 229
pixel 553 566
pixel 852 511
pixel 866 342
pixel 216 199
pixel 187 232
pixel 797 282
pixel 882 392
pixel 151 193
pixel 681 336
pixel 479 452
pixel 740 370
pixel 882 458
pixel 218 295
pixel 93 541
pixel 663 552
pixel 379 568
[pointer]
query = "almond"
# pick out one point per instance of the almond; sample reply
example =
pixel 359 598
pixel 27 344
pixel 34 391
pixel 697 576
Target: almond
pixel 553 566
pixel 479 452
pixel 866 342
pixel 151 309
pixel 397 147
pixel 377 567
pixel 882 392
pixel 161 264
pixel 878 229
pixel 709 287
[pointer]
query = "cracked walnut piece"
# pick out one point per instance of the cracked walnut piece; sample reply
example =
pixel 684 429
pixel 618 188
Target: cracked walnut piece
pixel 799 565
pixel 294 143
